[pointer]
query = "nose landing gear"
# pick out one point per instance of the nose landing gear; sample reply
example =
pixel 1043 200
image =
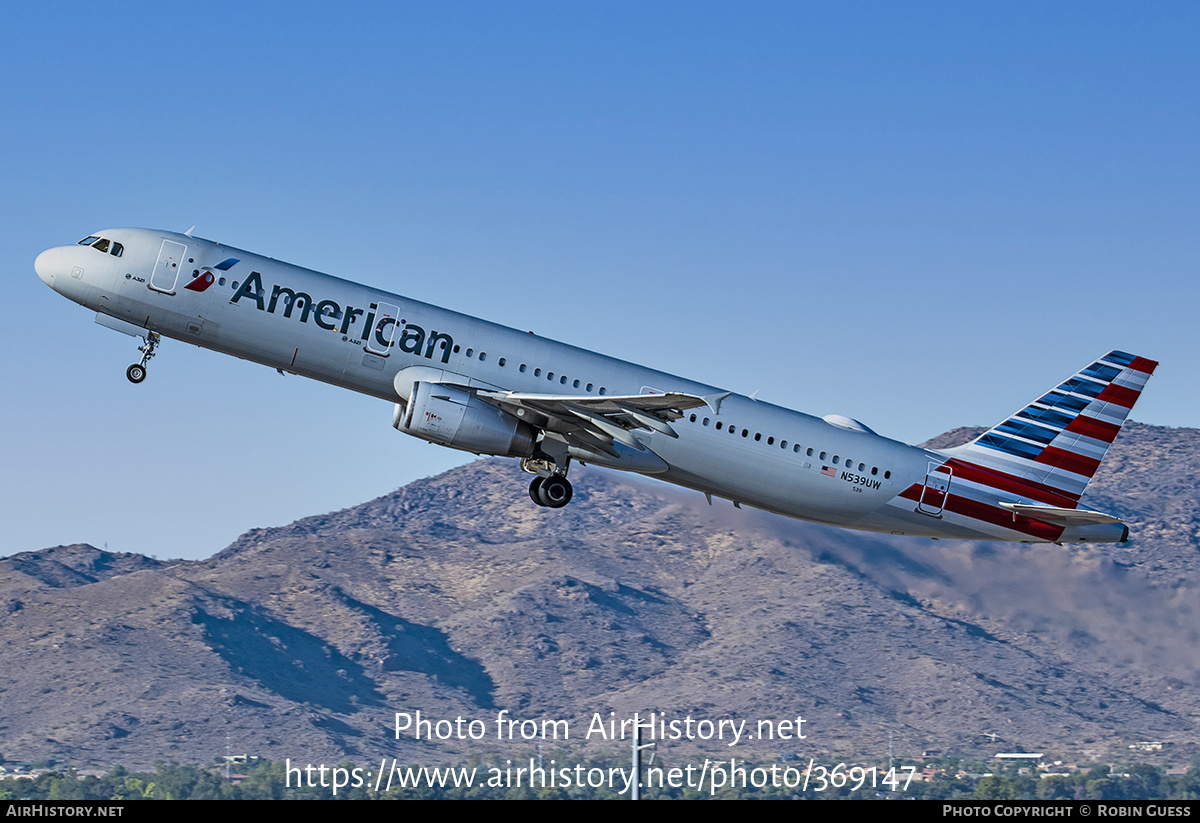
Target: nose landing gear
pixel 137 372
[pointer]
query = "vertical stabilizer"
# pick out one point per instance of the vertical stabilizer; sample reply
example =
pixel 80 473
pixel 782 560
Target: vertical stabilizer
pixel 1049 450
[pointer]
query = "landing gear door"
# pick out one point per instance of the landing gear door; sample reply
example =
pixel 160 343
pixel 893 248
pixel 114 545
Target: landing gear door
pixel 379 336
pixel 166 269
pixel 935 491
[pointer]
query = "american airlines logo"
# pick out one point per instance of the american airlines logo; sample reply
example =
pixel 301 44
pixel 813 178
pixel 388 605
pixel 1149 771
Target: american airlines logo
pixel 326 314
pixel 202 282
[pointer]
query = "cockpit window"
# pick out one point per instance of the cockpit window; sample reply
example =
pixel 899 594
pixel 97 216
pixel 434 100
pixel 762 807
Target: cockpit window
pixel 103 244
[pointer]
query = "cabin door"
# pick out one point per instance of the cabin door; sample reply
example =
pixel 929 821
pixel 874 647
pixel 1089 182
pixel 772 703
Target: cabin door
pixel 379 336
pixel 935 491
pixel 166 269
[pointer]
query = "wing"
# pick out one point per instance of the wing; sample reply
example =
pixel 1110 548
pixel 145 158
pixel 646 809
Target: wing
pixel 596 422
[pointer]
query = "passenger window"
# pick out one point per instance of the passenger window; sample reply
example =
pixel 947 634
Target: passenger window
pixel 575 384
pixel 563 380
pixel 835 460
pixel 470 352
pixel 770 441
pixel 757 436
pixel 482 356
pixel 501 361
pixel 706 421
pixel 808 453
pixel 862 466
pixel 887 475
pixel 692 418
pixel 823 455
pixel 522 368
pixel 602 390
pixel 589 386
pixel 874 470
pixel 796 449
pixel 719 424
pixel 537 372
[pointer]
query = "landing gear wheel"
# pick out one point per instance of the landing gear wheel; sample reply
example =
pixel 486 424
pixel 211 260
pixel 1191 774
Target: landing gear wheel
pixel 137 372
pixel 534 485
pixel 555 491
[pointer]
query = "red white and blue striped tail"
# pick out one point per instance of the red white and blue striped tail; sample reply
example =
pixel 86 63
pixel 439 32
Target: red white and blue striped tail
pixel 1049 450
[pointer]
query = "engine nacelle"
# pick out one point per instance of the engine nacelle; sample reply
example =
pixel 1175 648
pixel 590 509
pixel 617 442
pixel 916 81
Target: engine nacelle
pixel 452 417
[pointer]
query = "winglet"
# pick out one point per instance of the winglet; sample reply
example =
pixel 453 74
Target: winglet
pixel 713 401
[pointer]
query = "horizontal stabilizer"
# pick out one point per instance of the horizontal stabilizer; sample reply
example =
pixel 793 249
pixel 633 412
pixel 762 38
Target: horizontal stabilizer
pixel 1061 517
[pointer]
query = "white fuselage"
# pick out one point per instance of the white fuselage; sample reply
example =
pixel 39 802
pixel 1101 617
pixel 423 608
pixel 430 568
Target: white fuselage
pixel 330 329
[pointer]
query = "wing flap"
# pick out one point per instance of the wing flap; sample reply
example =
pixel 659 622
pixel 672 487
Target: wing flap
pixel 670 405
pixel 598 421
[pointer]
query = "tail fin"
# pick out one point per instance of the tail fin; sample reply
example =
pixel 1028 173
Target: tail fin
pixel 1052 447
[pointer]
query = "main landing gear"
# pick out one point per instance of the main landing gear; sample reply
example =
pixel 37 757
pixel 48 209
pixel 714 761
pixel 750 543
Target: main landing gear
pixel 550 488
pixel 137 372
pixel 553 492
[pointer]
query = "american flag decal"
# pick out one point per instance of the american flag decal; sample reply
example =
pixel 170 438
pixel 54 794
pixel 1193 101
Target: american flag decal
pixel 829 471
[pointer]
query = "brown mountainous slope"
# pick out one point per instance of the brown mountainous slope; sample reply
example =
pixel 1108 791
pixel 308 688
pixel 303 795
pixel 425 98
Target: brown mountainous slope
pixel 457 597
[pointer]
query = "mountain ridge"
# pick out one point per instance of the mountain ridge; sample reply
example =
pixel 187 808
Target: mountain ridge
pixel 455 596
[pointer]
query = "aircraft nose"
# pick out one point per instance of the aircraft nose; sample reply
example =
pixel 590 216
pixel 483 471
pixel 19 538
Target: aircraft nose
pixel 46 265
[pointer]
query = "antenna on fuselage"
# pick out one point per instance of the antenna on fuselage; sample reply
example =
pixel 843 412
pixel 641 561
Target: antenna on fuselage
pixel 188 233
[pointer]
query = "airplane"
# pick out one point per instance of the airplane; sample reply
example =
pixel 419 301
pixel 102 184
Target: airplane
pixel 472 385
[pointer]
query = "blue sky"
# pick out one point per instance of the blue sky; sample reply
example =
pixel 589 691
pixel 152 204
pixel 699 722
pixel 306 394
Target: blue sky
pixel 920 215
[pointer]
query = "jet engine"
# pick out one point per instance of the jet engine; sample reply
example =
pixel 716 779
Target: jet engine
pixel 452 417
